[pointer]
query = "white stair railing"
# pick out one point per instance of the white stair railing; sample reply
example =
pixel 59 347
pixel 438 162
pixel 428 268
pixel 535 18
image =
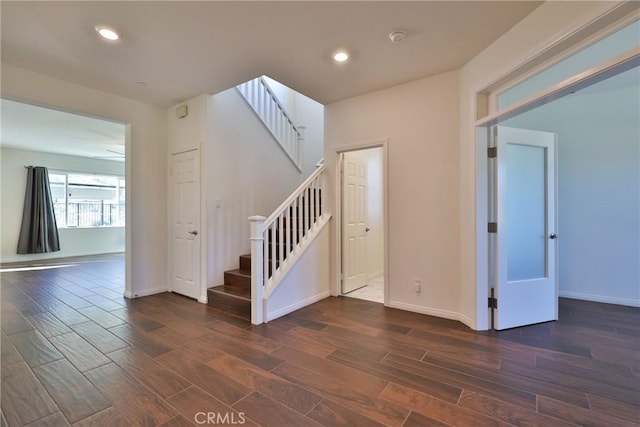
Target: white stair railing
pixel 279 240
pixel 272 113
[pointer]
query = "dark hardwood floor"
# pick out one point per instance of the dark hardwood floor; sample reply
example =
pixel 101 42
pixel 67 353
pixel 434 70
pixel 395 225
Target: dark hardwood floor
pixel 74 352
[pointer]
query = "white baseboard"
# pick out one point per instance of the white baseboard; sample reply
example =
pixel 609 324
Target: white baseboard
pixel 296 306
pixel 203 299
pixel 372 276
pixel 600 298
pixel 464 319
pixel 426 310
pixel 144 293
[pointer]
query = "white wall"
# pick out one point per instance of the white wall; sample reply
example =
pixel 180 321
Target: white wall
pixel 546 25
pixel 307 282
pixel 420 120
pixel 189 132
pixel 247 174
pixel 243 170
pixel 73 241
pixel 308 113
pixel 598 191
pixel 146 165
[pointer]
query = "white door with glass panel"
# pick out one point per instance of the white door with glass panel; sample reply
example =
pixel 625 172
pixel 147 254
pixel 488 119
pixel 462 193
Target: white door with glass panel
pixel 185 223
pixel 354 222
pixel 526 288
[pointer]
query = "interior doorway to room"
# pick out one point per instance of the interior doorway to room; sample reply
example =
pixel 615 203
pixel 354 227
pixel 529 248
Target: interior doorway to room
pixel 591 245
pixel 85 161
pixel 362 227
pixel 588 97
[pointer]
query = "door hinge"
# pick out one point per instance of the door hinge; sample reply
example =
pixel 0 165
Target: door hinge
pixel 492 152
pixel 492 227
pixel 493 302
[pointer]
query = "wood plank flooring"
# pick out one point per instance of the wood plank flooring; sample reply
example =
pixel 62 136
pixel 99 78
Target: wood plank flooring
pixel 74 352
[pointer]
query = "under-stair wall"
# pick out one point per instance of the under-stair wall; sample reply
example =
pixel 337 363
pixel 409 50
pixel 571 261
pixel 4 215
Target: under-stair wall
pixel 307 282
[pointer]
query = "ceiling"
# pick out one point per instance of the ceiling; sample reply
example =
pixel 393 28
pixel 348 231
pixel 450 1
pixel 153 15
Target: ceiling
pixel 183 49
pixel 33 128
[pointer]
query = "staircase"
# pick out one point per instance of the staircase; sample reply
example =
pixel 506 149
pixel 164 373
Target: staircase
pixel 277 242
pixel 234 296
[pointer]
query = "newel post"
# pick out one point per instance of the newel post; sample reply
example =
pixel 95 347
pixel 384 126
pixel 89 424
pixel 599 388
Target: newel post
pixel 257 270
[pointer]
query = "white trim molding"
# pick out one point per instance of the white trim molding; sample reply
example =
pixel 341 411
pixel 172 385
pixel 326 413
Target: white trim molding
pixel 446 314
pixel 295 306
pixel 600 298
pixel 145 293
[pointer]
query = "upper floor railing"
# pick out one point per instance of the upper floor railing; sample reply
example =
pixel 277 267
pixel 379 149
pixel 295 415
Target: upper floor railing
pixel 273 114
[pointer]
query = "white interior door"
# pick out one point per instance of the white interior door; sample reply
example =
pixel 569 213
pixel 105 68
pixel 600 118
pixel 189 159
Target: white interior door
pixel 354 222
pixel 526 288
pixel 185 223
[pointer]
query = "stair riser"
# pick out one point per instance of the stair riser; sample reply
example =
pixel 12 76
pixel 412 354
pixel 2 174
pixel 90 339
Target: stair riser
pixel 237 281
pixel 245 262
pixel 230 304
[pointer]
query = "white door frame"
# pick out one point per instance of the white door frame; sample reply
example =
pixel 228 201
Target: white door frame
pixel 584 79
pixel 382 143
pixel 128 291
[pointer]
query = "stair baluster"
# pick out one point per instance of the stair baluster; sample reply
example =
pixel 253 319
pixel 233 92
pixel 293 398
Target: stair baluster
pixel 272 113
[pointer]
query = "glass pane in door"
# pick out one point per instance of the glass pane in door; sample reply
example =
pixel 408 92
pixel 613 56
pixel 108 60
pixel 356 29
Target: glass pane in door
pixel 526 212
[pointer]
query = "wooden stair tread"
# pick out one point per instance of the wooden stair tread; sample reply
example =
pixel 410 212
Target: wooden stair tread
pixel 239 272
pixel 232 291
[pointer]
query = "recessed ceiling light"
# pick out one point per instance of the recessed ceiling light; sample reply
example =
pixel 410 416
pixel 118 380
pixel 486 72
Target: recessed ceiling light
pixel 340 56
pixel 108 33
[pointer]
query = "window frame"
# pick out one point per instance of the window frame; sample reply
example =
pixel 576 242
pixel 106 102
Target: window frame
pixel 119 218
pixel 564 54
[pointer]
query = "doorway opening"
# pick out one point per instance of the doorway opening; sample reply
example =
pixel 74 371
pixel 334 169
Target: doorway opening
pixel 591 243
pixel 87 180
pixel 362 224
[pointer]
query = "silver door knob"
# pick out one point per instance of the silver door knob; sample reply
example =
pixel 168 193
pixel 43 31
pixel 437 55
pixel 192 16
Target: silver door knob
pixel 553 236
pixel 194 232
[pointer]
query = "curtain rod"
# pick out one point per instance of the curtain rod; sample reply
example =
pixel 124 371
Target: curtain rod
pixel 78 171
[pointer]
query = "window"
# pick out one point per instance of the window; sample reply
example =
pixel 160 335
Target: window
pixel 84 200
pixel 615 44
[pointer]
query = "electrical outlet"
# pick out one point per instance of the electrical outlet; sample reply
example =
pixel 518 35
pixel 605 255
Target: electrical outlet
pixel 416 284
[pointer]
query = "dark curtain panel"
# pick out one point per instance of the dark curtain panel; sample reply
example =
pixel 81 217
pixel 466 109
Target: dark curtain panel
pixel 39 231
